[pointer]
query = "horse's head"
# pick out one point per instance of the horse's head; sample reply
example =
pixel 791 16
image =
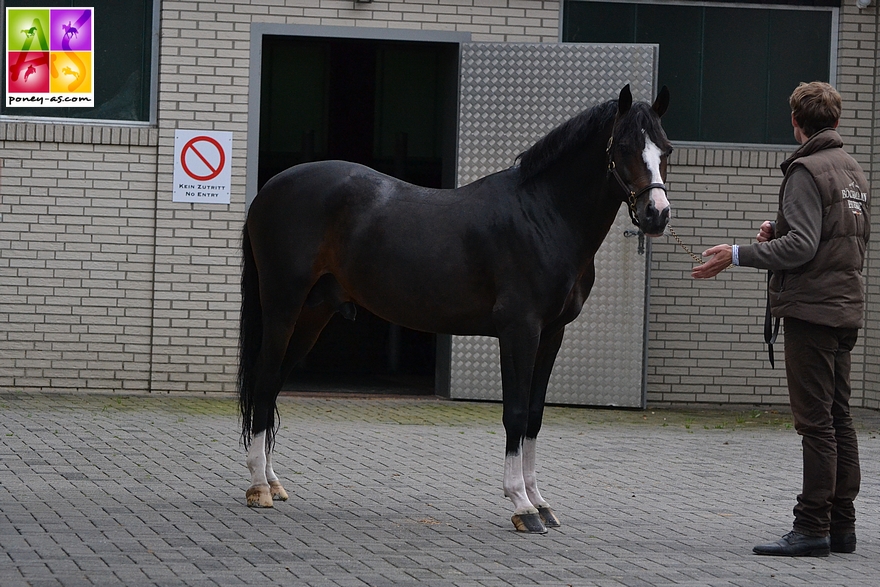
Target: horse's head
pixel 637 154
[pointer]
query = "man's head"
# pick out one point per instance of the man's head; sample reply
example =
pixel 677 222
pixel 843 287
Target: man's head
pixel 814 106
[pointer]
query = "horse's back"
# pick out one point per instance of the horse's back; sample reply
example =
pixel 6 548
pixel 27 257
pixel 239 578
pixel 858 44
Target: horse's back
pixel 304 202
pixel 429 259
pixel 308 185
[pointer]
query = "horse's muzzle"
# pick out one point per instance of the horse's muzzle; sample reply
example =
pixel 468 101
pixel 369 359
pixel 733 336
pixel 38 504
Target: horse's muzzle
pixel 654 221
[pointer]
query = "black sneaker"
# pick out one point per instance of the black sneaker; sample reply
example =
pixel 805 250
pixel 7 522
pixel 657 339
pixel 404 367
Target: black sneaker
pixel 796 544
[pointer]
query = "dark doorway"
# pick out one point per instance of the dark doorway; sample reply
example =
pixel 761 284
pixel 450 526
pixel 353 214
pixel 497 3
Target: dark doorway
pixel 390 105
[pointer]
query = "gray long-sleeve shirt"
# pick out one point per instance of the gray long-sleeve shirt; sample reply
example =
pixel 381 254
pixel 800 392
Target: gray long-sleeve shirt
pixel 802 209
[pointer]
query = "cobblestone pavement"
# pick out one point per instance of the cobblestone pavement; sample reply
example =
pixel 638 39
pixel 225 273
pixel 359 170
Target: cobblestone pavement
pixel 149 490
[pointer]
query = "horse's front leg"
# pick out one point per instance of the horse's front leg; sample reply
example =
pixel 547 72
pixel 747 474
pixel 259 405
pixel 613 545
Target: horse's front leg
pixel 546 357
pixel 518 346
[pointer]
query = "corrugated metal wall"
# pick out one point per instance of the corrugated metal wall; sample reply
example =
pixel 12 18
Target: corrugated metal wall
pixel 512 94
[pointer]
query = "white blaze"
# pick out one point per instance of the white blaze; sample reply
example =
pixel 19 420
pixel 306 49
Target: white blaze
pixel 652 155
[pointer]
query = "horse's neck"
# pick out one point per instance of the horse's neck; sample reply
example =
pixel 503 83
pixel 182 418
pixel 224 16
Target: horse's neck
pixel 585 198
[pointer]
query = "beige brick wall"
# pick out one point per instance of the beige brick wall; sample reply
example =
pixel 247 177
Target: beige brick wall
pixel 532 21
pixel 204 67
pixel 77 216
pixel 866 89
pixel 108 284
pixel 706 337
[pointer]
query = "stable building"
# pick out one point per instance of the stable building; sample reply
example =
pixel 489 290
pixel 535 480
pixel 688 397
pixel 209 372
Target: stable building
pixel 117 275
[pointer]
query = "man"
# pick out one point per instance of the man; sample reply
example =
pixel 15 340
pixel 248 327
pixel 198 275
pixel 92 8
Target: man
pixel 816 250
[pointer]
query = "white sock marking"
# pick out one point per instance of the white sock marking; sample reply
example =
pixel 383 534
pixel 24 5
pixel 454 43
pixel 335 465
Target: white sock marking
pixel 257 460
pixel 530 476
pixel 514 484
pixel 270 473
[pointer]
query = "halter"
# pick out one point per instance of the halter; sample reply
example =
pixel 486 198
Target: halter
pixel 632 195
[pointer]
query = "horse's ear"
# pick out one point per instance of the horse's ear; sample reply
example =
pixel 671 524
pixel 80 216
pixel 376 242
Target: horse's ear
pixel 624 101
pixel 661 103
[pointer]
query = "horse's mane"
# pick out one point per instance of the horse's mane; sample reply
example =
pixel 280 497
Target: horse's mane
pixel 576 132
pixel 571 134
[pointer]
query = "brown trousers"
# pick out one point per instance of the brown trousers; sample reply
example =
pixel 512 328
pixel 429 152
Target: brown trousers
pixel 817 366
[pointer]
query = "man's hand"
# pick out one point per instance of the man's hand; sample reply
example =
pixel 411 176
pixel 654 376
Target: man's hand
pixel 766 232
pixel 721 259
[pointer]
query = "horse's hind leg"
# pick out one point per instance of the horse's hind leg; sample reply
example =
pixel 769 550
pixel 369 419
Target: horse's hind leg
pixel 276 334
pixel 308 327
pixel 258 494
pixel 276 490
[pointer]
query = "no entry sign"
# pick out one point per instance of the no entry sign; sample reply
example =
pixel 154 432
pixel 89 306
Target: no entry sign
pixel 202 166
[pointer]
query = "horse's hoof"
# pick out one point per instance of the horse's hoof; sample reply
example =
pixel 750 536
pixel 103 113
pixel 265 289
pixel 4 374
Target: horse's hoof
pixel 530 523
pixel 548 517
pixel 259 497
pixel 277 491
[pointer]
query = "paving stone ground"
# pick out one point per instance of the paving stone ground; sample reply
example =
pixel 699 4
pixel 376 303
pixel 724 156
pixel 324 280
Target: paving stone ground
pixel 143 490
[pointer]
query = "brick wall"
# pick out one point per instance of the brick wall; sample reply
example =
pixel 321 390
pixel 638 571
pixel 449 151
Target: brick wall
pixel 204 68
pixel 865 89
pixel 77 217
pixel 107 284
pixel 532 21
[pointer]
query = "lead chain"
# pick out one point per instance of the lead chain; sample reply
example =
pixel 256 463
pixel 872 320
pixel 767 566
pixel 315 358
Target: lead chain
pixel 687 250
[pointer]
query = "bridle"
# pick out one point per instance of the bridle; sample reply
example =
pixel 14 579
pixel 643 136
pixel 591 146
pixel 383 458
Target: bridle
pixel 631 195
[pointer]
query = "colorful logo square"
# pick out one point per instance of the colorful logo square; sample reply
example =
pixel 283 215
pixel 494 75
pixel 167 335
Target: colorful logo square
pixel 27 29
pixel 72 71
pixel 71 29
pixel 28 72
pixel 49 57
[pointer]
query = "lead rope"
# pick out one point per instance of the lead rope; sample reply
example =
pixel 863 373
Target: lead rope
pixel 687 250
pixel 684 246
pixel 771 330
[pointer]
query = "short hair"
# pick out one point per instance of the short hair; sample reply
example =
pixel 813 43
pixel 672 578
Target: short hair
pixel 815 105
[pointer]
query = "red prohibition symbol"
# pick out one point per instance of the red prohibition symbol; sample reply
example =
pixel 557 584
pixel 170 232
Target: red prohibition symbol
pixel 194 145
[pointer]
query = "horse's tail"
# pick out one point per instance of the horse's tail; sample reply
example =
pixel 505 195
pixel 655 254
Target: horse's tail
pixel 249 337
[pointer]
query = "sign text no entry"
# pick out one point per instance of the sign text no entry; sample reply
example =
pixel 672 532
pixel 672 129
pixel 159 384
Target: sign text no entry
pixel 202 166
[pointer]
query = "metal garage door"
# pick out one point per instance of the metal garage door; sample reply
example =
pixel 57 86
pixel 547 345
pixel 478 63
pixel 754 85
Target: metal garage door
pixel 512 95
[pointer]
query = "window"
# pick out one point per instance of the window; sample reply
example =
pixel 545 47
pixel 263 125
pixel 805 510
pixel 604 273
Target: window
pixel 730 68
pixel 123 52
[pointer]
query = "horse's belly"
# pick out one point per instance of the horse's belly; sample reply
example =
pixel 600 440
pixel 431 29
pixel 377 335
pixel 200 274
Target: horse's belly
pixel 429 313
pixel 426 297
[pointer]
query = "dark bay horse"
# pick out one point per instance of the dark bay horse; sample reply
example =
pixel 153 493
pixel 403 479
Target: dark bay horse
pixel 509 256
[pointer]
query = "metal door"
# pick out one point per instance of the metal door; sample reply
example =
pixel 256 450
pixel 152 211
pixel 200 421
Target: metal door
pixel 511 95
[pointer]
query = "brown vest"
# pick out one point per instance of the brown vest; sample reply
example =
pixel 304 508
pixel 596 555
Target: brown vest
pixel 828 289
